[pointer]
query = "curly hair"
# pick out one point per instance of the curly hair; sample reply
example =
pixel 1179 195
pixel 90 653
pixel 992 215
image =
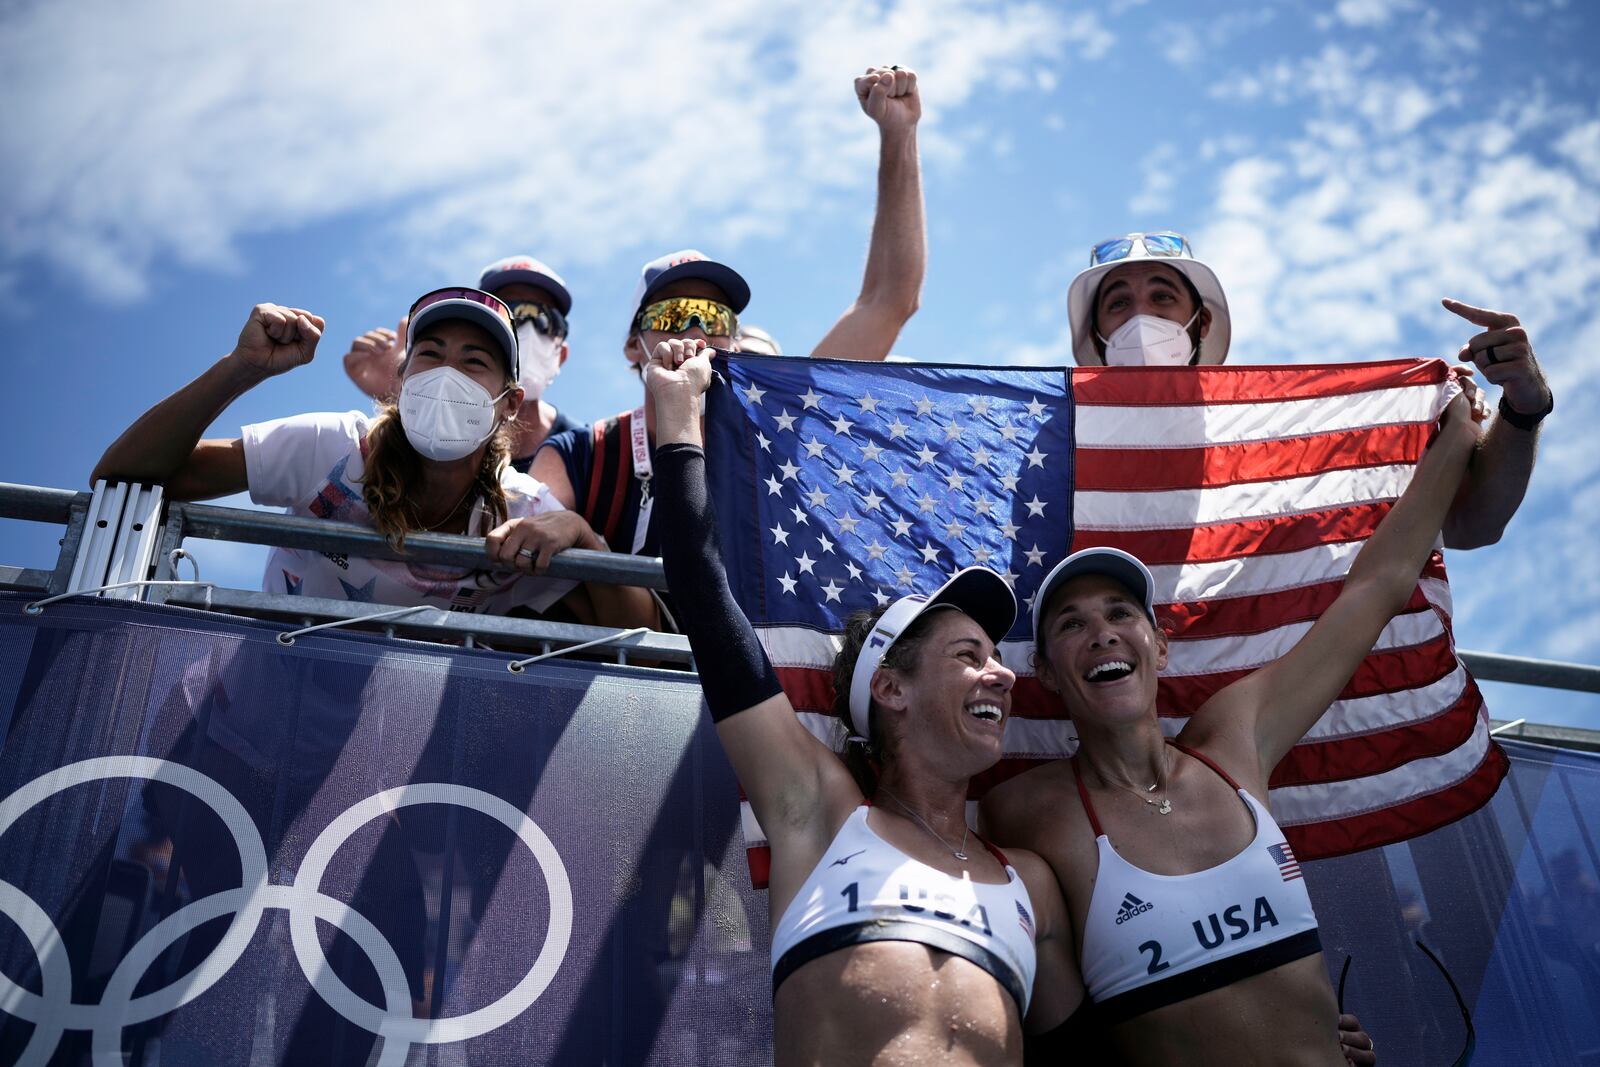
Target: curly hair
pixel 394 475
pixel 864 759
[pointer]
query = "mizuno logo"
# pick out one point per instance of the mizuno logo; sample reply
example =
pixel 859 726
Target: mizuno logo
pixel 1131 906
pixel 842 860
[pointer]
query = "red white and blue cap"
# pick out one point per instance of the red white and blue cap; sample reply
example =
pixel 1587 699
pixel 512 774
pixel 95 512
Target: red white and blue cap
pixel 1111 562
pixel 977 592
pixel 689 263
pixel 472 305
pixel 527 271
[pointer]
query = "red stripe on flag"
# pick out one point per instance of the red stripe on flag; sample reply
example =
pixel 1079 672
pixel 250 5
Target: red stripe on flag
pixel 1229 540
pixel 759 857
pixel 1353 833
pixel 1383 750
pixel 1381 672
pixel 1157 387
pixel 1135 470
pixel 1230 616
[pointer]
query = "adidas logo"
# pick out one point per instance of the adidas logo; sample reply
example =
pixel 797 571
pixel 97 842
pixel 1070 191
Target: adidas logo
pixel 1131 906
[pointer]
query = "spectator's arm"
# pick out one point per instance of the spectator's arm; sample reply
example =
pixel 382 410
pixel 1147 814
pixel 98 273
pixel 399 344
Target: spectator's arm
pixel 897 256
pixel 527 544
pixel 163 445
pixel 1503 463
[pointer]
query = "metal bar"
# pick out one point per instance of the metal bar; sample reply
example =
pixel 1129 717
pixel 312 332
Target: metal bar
pixel 295 531
pixel 1558 736
pixel 171 541
pixel 36 503
pixel 433 622
pixel 71 545
pixel 1520 670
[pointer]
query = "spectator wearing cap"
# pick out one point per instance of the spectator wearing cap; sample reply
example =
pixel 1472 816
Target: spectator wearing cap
pixel 434 461
pixel 604 471
pixel 539 303
pixel 1144 300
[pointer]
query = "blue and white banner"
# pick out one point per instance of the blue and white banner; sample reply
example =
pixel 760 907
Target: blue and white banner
pixel 216 849
pixel 219 850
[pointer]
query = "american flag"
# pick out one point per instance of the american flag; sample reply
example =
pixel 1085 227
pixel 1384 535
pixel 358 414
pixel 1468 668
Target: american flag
pixel 1283 856
pixel 1247 490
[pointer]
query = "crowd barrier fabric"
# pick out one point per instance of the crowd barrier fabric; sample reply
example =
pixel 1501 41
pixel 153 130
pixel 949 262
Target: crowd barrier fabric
pixel 217 850
pixel 1247 490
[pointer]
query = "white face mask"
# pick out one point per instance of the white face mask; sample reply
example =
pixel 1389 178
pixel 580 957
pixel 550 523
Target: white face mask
pixel 1150 341
pixel 445 414
pixel 540 357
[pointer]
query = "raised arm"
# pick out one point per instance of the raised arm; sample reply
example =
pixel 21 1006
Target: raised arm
pixel 163 445
pixel 797 786
pixel 1276 705
pixel 1503 462
pixel 897 256
pixel 373 362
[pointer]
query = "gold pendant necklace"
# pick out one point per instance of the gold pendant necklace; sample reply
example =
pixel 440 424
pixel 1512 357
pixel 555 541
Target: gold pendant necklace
pixel 1165 806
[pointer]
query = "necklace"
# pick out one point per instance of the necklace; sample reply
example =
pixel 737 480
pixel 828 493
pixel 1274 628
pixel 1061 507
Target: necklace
pixel 448 515
pixel 958 853
pixel 1165 806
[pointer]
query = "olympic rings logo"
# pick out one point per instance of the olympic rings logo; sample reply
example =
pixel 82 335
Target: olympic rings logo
pixel 53 1011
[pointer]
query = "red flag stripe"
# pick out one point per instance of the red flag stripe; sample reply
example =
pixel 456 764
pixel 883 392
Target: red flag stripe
pixel 1137 387
pixel 1227 541
pixel 1137 470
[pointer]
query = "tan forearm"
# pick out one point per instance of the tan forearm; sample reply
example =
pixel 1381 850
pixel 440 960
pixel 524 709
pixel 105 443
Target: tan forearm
pixel 897 258
pixel 160 442
pixel 1393 556
pixel 1496 481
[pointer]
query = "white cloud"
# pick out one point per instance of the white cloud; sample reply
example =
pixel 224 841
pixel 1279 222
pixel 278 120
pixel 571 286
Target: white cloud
pixel 165 132
pixel 1367 13
pixel 1338 242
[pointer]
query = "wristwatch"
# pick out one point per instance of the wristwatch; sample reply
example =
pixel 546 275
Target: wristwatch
pixel 1526 422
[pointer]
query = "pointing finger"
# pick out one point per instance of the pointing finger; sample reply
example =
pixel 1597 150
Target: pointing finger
pixel 1494 320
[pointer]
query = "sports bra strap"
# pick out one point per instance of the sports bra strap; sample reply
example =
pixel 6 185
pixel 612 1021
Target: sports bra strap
pixel 1083 795
pixel 1187 751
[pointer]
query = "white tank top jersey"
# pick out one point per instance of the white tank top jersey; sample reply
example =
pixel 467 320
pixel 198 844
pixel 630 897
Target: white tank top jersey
pixel 1150 940
pixel 864 889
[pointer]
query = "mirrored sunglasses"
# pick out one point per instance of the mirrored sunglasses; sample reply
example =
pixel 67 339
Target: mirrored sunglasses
pixel 547 320
pixel 1164 244
pixel 476 296
pixel 681 313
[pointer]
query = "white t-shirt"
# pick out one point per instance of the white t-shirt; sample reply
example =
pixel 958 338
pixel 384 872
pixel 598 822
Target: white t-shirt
pixel 312 465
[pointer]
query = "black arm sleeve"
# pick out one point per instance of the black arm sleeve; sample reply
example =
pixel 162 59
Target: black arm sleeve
pixel 735 673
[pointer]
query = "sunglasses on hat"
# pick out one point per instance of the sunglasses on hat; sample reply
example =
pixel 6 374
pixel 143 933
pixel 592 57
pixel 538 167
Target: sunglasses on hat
pixel 680 313
pixel 1165 244
pixel 476 296
pixel 547 320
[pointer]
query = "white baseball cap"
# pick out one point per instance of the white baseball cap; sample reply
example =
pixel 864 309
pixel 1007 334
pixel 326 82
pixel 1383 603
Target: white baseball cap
pixel 1111 562
pixel 977 592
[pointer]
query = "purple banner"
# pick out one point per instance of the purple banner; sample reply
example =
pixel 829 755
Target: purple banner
pixel 217 849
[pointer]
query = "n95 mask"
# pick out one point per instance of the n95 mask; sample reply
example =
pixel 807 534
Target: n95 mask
pixel 1150 341
pixel 540 357
pixel 445 414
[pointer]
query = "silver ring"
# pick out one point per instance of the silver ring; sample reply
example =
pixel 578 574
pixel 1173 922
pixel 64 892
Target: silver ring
pixel 525 552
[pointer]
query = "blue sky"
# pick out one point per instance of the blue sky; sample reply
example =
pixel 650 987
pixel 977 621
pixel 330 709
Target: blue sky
pixel 1342 166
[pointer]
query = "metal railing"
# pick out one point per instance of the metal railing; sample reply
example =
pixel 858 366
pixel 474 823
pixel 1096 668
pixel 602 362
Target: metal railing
pixel 62 506
pixel 207 521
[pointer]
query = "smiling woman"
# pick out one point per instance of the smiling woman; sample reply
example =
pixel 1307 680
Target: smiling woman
pixel 434 462
pixel 899 936
pixel 1198 943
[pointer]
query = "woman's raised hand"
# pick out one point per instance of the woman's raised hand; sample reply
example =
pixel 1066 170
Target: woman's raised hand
pixel 276 339
pixel 678 364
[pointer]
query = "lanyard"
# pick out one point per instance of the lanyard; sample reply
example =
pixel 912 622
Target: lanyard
pixel 642 470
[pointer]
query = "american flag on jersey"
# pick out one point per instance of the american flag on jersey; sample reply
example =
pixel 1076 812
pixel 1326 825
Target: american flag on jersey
pixel 1283 856
pixel 1247 490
